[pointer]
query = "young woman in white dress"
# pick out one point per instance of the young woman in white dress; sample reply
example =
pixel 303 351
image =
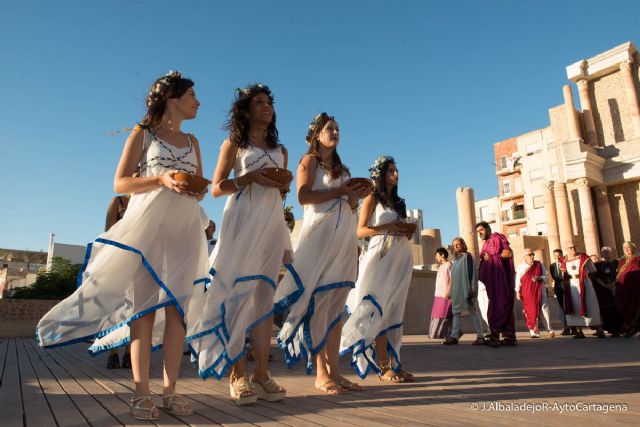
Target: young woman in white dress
pixel 253 244
pixel 150 259
pixel 326 259
pixel 377 302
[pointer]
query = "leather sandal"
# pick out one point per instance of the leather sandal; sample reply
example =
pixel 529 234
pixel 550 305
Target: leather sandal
pixel 241 391
pixel 176 404
pixel 350 385
pixel 388 375
pixel 407 376
pixel 140 412
pixel 331 387
pixel 268 390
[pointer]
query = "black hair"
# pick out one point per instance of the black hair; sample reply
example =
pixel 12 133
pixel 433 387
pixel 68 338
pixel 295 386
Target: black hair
pixel 238 122
pixel 443 252
pixel 170 86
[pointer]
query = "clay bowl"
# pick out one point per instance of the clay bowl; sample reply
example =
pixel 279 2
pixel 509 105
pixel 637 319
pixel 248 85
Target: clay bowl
pixel 408 227
pixel 195 184
pixel 280 175
pixel 365 182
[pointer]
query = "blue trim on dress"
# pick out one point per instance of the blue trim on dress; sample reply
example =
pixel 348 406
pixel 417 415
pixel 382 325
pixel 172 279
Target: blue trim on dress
pixel 97 350
pixel 359 348
pixel 374 302
pixel 224 357
pixel 85 263
pixel 307 349
pixel 293 297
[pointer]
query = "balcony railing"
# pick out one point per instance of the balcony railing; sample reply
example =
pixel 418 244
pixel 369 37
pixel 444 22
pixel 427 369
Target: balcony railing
pixel 513 215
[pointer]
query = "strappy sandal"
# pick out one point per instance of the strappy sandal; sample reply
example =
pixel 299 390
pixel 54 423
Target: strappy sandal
pixel 140 412
pixel 385 369
pixel 407 376
pixel 241 392
pixel 331 387
pixel 268 390
pixel 350 385
pixel 176 404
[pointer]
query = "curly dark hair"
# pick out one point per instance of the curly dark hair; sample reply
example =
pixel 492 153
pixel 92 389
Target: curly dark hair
pixel 317 124
pixel 388 196
pixel 238 122
pixel 170 86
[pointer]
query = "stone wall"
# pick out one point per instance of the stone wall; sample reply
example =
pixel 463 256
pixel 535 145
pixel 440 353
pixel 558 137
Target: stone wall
pixel 417 313
pixel 19 317
pixel 624 200
pixel 611 113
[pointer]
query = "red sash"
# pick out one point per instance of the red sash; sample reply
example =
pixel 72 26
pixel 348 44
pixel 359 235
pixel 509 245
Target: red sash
pixel 566 281
pixel 531 295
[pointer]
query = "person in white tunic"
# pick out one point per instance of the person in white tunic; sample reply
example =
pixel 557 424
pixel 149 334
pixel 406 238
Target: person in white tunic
pixel 377 302
pixel 531 289
pixel 580 299
pixel 150 259
pixel 252 245
pixel 326 259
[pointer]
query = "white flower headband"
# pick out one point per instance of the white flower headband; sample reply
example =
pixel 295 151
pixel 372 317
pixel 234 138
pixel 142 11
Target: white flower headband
pixel 376 167
pixel 162 86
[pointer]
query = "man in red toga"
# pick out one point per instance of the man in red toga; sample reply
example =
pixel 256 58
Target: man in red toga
pixel 497 273
pixel 531 288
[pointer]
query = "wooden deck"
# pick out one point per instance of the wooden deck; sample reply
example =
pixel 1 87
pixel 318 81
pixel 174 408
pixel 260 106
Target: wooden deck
pixel 66 387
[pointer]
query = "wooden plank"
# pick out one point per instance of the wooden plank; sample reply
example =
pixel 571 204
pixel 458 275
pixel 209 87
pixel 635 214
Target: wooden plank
pixel 36 407
pixel 117 409
pixel 62 407
pixel 4 346
pixel 95 414
pixel 11 390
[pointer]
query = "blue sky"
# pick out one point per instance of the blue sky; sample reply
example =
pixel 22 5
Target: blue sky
pixel 434 84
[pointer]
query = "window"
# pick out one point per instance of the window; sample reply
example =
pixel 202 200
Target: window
pixel 538 202
pixel 518 185
pixel 533 148
pixel 484 213
pixel 503 162
pixel 536 174
pixel 506 188
pixel 541 228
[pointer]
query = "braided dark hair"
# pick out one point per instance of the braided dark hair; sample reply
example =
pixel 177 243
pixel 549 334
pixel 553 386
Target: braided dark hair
pixel 388 197
pixel 238 122
pixel 317 124
pixel 170 86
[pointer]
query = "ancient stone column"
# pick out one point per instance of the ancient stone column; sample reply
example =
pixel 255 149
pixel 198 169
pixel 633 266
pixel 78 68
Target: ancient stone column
pixel 467 218
pixel 572 120
pixel 553 235
pixel 564 216
pixel 588 219
pixel 605 220
pixel 632 96
pixel 587 113
pixel 430 240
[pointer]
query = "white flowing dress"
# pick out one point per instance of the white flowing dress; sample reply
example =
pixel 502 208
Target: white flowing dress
pixel 377 302
pixel 590 298
pixel 245 264
pixel 326 261
pixel 148 260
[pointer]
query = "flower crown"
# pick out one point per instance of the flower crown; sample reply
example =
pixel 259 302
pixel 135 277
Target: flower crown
pixel 315 120
pixel 378 164
pixel 240 92
pixel 162 86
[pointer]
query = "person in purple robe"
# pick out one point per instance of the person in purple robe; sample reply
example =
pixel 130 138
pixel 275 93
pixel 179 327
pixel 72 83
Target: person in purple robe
pixel 497 272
